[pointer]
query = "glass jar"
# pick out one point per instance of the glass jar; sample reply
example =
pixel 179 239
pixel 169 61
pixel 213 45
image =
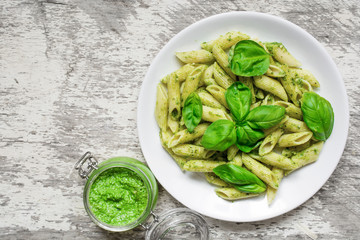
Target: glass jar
pixel 167 225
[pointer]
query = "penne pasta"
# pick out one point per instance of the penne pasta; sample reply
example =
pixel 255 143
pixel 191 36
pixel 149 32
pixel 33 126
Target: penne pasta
pixel 237 160
pixel 248 81
pixel 174 125
pixel 174 97
pixel 286 152
pixel 225 41
pixel 308 155
pixel 288 82
pixel 197 56
pixel 275 71
pixel 259 94
pixel 268 100
pixel 192 82
pixel 271 192
pixel 275 160
pixel 209 76
pixel 291 151
pixel 294 125
pixel 221 77
pixel 294 139
pixel 303 85
pixel 223 60
pixel 218 93
pixel 270 85
pixel 270 141
pixel 184 136
pixel 165 137
pixel 213 114
pixel 161 108
pixel 301 147
pixel 231 194
pixel 291 110
pixel 306 75
pixel 193 151
pixel 231 152
pixel 263 172
pixel 215 180
pixel 179 160
pixel 282 55
pixel 201 165
pixel 182 73
pixel 197 141
pixel 208 100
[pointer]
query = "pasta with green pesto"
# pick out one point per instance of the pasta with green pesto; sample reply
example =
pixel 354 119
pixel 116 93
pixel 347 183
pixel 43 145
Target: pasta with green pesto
pixel 245 104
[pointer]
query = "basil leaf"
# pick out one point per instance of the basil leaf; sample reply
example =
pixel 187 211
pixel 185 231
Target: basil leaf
pixel 250 188
pixel 220 135
pixel 238 98
pixel 192 111
pixel 264 117
pixel 318 115
pixel 235 174
pixel 249 59
pixel 248 148
pixel 248 136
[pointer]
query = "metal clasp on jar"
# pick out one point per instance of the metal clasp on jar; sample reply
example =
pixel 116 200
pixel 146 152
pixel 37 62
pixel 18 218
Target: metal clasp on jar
pixel 92 164
pixel 156 219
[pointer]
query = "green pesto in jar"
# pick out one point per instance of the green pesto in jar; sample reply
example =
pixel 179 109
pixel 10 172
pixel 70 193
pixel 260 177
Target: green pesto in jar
pixel 118 196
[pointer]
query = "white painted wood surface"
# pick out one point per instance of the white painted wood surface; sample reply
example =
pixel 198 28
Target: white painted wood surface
pixel 70 74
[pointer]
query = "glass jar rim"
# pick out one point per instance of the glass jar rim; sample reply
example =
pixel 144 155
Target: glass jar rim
pixel 105 166
pixel 177 217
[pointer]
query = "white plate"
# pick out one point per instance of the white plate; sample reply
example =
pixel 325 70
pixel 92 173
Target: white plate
pixel 191 189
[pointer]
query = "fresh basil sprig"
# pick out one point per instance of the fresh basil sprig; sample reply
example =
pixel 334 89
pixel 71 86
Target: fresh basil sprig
pixel 238 98
pixel 220 135
pixel 250 188
pixel 318 115
pixel 240 178
pixel 248 138
pixel 264 117
pixel 247 58
pixel 248 148
pixel 246 131
pixel 192 111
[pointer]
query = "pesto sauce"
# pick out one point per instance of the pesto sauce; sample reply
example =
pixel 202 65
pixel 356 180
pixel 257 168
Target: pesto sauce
pixel 118 196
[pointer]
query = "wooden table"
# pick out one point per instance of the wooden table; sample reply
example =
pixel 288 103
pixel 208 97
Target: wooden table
pixel 70 75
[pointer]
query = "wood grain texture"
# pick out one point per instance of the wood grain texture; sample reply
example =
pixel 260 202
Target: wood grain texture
pixel 70 75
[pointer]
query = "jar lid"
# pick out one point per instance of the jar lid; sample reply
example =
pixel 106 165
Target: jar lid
pixel 178 222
